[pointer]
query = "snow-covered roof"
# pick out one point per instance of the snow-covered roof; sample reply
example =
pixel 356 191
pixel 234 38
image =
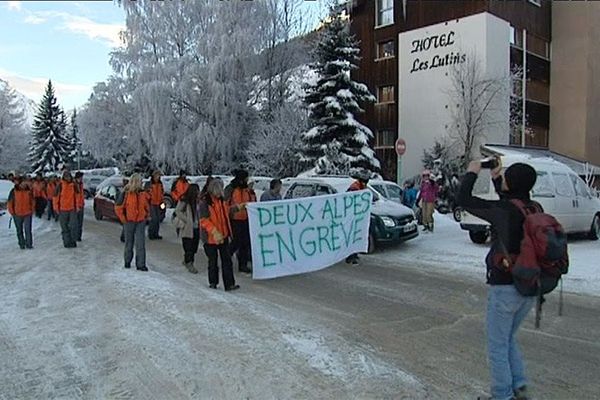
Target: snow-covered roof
pixel 579 167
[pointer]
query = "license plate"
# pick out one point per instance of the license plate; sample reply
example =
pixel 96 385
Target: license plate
pixel 409 227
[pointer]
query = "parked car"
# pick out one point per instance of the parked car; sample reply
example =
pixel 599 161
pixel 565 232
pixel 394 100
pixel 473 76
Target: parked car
pixel 558 189
pixel 106 197
pixel 90 184
pixel 5 188
pixel 390 222
pixel 389 190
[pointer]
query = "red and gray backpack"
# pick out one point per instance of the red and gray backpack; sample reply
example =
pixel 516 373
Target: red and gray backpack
pixel 543 256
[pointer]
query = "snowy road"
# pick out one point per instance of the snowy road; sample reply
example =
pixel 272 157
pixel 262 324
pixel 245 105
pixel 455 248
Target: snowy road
pixel 76 325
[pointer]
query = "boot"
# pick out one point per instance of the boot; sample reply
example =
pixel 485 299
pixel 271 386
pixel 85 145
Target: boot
pixel 521 393
pixel 190 267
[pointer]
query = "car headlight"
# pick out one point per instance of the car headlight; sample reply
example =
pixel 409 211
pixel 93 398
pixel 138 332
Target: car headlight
pixel 387 221
pixel 162 206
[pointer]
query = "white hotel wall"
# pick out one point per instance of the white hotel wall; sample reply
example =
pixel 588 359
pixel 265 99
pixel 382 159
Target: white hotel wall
pixel 423 97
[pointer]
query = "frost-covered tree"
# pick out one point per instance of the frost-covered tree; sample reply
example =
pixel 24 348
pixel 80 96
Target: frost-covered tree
pixel 106 124
pixel 12 137
pixel 337 141
pixel 273 149
pixel 50 145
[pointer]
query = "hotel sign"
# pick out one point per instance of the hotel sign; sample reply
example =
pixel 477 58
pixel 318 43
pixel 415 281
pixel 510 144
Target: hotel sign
pixel 424 61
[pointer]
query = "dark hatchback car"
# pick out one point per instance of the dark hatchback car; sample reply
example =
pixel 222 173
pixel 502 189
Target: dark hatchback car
pixel 106 196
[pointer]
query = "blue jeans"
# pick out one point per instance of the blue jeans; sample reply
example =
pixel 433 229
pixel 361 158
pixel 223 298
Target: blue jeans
pixel 506 310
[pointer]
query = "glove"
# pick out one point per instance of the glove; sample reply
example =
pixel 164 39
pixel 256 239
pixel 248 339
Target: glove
pixel 218 236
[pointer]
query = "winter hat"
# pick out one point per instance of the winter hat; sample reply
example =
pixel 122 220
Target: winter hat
pixel 362 174
pixel 182 172
pixel 240 174
pixel 520 179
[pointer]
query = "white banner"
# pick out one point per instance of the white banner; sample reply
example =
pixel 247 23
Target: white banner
pixel 302 235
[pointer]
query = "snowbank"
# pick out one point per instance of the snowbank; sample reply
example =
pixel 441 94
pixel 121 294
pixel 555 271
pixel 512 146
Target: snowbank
pixel 449 248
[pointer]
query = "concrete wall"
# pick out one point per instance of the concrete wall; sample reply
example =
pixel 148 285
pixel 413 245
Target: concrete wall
pixel 575 80
pixel 424 104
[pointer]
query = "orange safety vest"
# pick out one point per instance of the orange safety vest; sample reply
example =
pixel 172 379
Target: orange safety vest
pixel 133 207
pixel 218 218
pixel 240 196
pixel 157 193
pixel 21 202
pixel 39 188
pixel 65 198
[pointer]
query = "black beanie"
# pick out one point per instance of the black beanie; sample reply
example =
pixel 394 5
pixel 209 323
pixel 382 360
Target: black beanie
pixel 520 179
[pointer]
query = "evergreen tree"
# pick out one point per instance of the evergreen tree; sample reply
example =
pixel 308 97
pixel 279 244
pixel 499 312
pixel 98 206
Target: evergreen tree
pixel 75 142
pixel 337 142
pixel 50 146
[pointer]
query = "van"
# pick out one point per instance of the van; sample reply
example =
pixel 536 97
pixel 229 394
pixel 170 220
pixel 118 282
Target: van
pixel 390 222
pixel 558 189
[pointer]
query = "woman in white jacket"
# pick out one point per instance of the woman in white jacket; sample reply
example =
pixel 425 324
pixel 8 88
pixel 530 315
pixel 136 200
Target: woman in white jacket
pixel 187 223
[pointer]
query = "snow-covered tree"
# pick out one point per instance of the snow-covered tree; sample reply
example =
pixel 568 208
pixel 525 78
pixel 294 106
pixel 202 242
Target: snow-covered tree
pixel 273 149
pixel 337 141
pixel 75 142
pixel 13 141
pixel 50 145
pixel 106 124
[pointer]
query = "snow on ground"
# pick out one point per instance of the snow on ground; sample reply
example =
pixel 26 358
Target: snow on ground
pixel 449 248
pixel 91 329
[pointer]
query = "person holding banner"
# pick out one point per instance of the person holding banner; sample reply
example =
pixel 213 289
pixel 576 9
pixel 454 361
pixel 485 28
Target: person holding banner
pixel 216 234
pixel 239 195
pixel 362 180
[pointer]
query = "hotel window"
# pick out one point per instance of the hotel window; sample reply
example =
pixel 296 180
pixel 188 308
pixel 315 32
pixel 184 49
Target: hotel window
pixel 516 37
pixel 385 138
pixel 385 94
pixel 385 12
pixel 386 49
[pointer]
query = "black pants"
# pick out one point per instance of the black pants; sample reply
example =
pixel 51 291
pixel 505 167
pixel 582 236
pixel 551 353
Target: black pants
pixel 190 246
pixel 40 206
pixel 51 213
pixel 80 214
pixel 68 227
pixel 23 226
pixel 154 225
pixel 241 242
pixel 212 252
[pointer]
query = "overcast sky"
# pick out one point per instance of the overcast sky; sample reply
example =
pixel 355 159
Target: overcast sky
pixel 66 41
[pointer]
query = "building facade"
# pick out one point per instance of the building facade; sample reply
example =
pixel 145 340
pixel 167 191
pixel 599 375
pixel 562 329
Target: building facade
pixel 381 25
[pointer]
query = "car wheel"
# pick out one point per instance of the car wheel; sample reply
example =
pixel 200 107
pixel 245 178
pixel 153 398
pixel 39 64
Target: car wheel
pixel 595 229
pixel 372 244
pixel 479 237
pixel 457 214
pixel 97 214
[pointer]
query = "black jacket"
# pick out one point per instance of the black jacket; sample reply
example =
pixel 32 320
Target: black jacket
pixel 506 220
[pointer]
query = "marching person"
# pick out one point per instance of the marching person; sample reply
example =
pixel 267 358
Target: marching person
pixel 80 204
pixel 362 178
pixel 506 308
pixel 216 233
pixel 239 195
pixel 427 196
pixel 187 220
pixel 274 192
pixel 157 192
pixel 39 194
pixel 50 190
pixel 21 205
pixel 180 186
pixel 132 208
pixel 65 203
